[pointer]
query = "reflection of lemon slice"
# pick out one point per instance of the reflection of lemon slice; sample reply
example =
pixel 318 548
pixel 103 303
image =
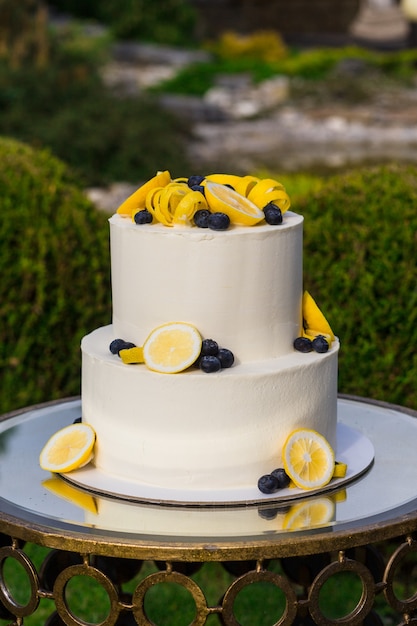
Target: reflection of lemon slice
pixel 137 200
pixel 308 459
pixel 62 489
pixel 172 347
pixel 69 448
pixel 309 514
pixel 314 318
pixel 225 200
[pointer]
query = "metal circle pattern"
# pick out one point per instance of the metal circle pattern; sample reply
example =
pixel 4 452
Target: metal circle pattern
pixel 363 607
pixel 290 612
pixel 61 583
pixel 6 597
pixel 141 590
pixel 395 562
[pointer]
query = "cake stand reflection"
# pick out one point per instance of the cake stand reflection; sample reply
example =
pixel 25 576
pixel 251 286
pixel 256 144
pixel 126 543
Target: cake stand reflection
pixel 322 532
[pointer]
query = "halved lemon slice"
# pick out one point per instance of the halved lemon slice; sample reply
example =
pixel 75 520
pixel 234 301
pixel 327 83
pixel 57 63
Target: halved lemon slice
pixel 69 448
pixel 314 318
pixel 309 514
pixel 240 210
pixel 308 459
pixel 138 198
pixel 172 347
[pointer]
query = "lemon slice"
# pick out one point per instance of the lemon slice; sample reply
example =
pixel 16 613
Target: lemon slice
pixel 172 347
pixel 138 198
pixel 314 318
pixel 309 514
pixel 240 210
pixel 69 448
pixel 308 459
pixel 269 190
pixel 241 184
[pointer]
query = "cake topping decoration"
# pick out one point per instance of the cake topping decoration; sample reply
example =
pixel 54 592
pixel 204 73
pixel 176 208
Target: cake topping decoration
pixel 308 459
pixel 317 334
pixel 68 449
pixel 173 348
pixel 245 200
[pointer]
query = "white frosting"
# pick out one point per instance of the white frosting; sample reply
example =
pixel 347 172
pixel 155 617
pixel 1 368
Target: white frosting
pixel 202 431
pixel 241 287
pixel 195 431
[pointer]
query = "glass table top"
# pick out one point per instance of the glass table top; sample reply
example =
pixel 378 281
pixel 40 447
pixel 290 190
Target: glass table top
pixel 387 491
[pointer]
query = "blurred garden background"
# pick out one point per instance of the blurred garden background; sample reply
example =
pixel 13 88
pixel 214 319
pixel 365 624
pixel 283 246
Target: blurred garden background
pixel 96 96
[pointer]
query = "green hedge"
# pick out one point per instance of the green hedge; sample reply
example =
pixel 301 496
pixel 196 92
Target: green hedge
pixel 360 242
pixel 55 283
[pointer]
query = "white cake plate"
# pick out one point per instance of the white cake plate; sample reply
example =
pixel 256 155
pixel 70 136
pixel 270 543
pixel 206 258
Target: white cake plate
pixel 353 448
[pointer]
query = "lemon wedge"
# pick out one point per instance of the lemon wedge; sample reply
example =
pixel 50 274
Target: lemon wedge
pixel 137 199
pixel 308 459
pixel 172 347
pixel 309 514
pixel 240 209
pixel 340 469
pixel 68 449
pixel 314 318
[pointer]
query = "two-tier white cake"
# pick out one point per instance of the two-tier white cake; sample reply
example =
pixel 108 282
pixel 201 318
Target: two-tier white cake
pixel 194 431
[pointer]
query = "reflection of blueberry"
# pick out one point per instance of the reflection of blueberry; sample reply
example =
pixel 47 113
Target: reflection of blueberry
pixel 303 344
pixel 320 344
pixel 267 514
pixel 273 214
pixel 218 221
pixel 282 477
pixel 210 364
pixel 268 484
pixel 225 357
pixel 201 218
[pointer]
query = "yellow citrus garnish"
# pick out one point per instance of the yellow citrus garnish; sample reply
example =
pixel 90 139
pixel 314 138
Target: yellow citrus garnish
pixel 269 190
pixel 241 184
pixel 239 209
pixel 137 199
pixel 308 459
pixel 187 206
pixel 314 318
pixel 132 355
pixel 309 513
pixel 69 448
pixel 172 347
pixel 62 489
pixel 340 470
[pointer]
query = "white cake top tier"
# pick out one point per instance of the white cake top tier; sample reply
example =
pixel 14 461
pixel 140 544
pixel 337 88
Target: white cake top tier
pixel 241 287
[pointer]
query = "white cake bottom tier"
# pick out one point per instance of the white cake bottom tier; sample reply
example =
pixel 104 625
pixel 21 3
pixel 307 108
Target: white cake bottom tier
pixel 202 431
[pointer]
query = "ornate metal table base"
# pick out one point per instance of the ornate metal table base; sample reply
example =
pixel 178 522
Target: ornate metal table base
pixel 368 540
pixel 299 581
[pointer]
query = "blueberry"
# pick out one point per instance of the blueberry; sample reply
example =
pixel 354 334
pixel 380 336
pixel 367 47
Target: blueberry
pixel 199 188
pixel 210 364
pixel 209 347
pixel 218 221
pixel 268 484
pixel 78 420
pixel 195 180
pixel 143 217
pixel 303 344
pixel 120 344
pixel 225 357
pixel 282 477
pixel 273 214
pixel 320 344
pixel 201 218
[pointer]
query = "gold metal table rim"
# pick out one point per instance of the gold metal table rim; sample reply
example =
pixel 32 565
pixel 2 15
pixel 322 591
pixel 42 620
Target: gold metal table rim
pixel 107 543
